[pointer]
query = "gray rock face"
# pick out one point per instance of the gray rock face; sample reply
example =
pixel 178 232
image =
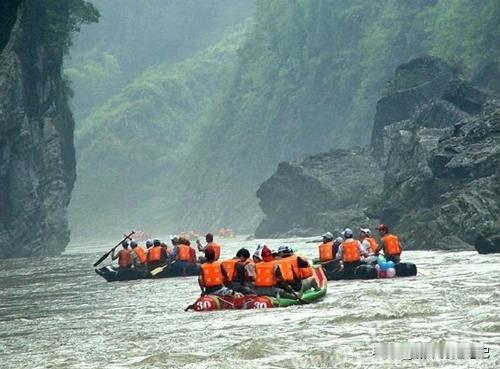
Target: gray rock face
pixel 436 142
pixel 441 172
pixel 37 161
pixel 327 191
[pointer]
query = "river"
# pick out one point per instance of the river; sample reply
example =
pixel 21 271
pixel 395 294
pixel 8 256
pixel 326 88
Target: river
pixel 57 313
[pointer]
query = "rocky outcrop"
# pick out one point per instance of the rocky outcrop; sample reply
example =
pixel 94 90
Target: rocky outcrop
pixel 437 145
pixel 441 183
pixel 327 191
pixel 37 162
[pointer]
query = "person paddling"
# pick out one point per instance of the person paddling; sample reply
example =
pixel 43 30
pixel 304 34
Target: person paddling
pixel 123 256
pixel 390 244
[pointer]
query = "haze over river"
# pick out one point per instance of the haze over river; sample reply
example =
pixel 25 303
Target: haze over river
pixel 57 313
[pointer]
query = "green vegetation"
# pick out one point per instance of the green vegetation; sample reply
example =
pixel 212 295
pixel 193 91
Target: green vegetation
pixel 202 135
pixel 132 150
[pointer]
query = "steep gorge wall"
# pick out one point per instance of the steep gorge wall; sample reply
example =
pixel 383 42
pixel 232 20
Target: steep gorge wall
pixel 37 161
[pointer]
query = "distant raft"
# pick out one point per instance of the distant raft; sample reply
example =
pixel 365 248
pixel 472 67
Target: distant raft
pixel 365 271
pixel 212 302
pixel 113 274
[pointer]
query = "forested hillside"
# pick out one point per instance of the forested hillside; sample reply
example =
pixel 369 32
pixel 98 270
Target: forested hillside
pixel 305 80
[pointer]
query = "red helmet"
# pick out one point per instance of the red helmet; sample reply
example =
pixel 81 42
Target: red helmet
pixel 383 228
pixel 267 254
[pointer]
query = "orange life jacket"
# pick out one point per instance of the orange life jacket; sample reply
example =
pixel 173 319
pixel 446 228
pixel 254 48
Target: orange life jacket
pixel 264 274
pixel 286 269
pixel 141 254
pixel 155 254
pixel 124 259
pixel 350 251
pixel 183 253
pixel 230 268
pixel 326 251
pixel 301 273
pixel 216 249
pixel 391 244
pixel 373 244
pixel 211 274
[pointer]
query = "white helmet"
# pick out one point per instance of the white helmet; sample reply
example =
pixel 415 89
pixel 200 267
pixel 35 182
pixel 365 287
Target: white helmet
pixel 328 236
pixel 338 241
pixel 366 231
pixel 348 233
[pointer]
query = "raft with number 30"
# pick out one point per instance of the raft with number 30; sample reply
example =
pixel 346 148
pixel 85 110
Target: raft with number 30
pixel 212 302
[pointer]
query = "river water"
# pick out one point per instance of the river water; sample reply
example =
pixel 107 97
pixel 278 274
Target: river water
pixel 57 313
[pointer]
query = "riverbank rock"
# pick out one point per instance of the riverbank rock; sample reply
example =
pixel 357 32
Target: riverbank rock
pixel 441 182
pixel 437 179
pixel 324 192
pixel 37 161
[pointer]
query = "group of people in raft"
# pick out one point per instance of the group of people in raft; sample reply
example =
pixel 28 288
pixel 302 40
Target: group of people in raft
pixel 353 252
pixel 281 273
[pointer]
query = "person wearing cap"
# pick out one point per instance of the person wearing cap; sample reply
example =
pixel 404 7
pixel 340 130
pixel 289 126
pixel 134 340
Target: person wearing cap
pixel 390 244
pixel 211 278
pixel 305 279
pixel 123 256
pixel 326 248
pixel 369 244
pixel 156 255
pixel 138 255
pixel 209 238
pixel 336 244
pixel 350 251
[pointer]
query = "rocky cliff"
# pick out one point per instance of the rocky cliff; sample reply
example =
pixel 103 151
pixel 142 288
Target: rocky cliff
pixel 37 162
pixel 327 191
pixel 436 141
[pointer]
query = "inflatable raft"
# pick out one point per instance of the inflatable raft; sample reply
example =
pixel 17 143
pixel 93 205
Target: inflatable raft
pixel 365 271
pixel 113 274
pixel 212 302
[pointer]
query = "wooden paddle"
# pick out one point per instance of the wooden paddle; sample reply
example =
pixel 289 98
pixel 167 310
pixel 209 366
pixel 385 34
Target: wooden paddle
pixel 160 268
pixel 102 258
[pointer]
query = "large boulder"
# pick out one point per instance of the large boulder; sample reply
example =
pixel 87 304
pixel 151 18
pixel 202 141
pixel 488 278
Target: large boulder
pixel 327 191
